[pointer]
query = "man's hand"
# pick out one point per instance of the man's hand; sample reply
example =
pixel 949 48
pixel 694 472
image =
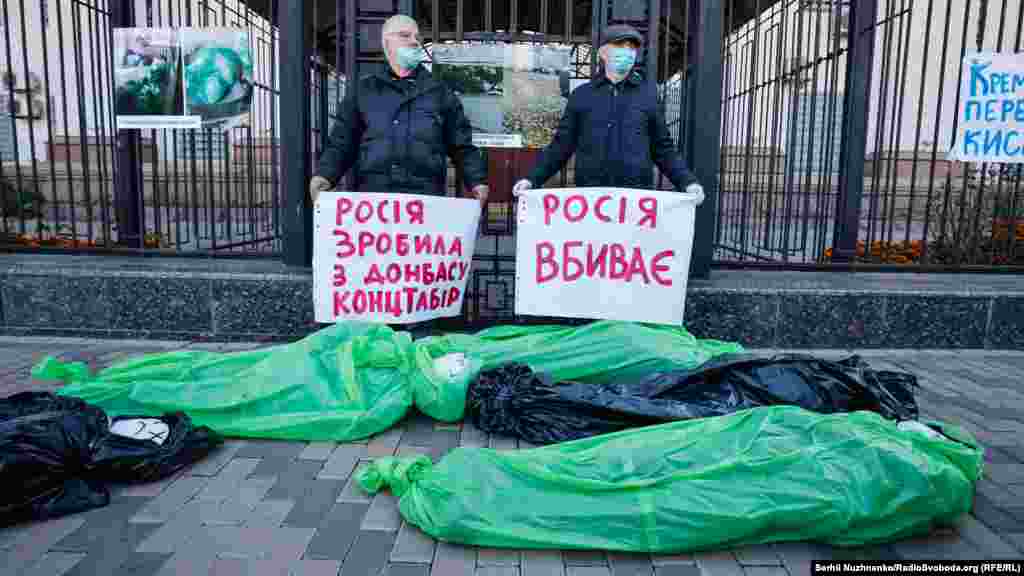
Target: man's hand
pixel 480 191
pixel 318 184
pixel 697 190
pixel 521 186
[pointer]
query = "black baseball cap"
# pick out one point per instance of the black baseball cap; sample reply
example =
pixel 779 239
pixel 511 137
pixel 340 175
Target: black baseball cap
pixel 621 32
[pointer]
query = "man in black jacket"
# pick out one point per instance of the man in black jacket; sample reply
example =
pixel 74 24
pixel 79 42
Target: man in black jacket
pixel 615 127
pixel 399 126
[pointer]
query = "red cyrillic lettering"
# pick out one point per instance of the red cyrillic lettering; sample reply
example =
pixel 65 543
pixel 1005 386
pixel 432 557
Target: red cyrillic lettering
pixel 453 295
pixel 394 273
pixel 409 294
pixel 341 303
pixel 382 246
pixel 402 244
pixel 365 241
pixel 393 305
pixel 380 211
pixel 622 210
pixel 435 299
pixel 359 301
pixel 422 303
pixel 428 273
pixel 597 209
pixel 638 266
pixel 339 275
pixel 597 265
pixel 422 244
pixel 442 273
pixel 618 257
pixel 649 206
pixel 344 207
pixel 546 255
pixel 463 266
pixel 550 207
pixel 376 301
pixel 344 242
pixel 363 216
pixel 568 258
pixel 373 276
pixel 439 246
pixel 456 248
pixel 415 211
pixel 657 269
pixel 583 208
pixel 412 273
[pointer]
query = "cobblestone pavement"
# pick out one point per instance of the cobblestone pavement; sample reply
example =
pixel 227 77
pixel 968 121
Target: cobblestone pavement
pixel 290 508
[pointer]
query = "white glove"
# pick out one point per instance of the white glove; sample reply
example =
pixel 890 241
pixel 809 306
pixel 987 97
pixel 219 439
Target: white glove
pixel 698 191
pixel 521 186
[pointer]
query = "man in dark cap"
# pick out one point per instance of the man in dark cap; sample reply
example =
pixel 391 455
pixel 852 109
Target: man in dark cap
pixel 615 127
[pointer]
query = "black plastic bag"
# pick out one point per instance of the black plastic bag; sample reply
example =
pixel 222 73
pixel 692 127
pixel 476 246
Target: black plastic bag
pixel 45 451
pixel 139 449
pixel 515 401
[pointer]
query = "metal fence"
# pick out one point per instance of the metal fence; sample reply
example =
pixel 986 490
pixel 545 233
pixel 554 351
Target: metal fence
pixel 200 191
pixel 801 177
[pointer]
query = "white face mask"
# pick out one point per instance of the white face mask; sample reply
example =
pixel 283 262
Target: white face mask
pixel 142 429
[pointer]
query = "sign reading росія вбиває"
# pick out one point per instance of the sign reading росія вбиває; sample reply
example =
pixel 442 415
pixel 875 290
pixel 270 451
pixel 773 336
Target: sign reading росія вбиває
pixel 607 253
pixel 391 258
pixel 990 119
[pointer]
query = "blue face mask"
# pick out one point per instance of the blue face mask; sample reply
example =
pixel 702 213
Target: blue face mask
pixel 621 60
pixel 409 57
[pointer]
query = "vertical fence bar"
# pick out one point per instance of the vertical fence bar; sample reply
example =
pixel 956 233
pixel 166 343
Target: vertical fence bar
pixel 294 157
pixel 127 181
pixel 707 129
pixel 860 57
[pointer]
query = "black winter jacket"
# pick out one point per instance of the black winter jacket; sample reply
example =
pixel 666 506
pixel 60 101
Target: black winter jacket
pixel 618 133
pixel 396 133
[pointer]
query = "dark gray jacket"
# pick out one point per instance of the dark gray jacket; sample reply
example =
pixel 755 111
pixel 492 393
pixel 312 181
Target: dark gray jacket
pixel 397 133
pixel 618 133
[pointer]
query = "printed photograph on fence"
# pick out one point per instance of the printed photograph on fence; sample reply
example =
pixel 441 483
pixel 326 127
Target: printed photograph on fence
pixel 391 258
pixel 148 79
pixel 603 253
pixel 218 75
pixel 990 125
pixel 513 93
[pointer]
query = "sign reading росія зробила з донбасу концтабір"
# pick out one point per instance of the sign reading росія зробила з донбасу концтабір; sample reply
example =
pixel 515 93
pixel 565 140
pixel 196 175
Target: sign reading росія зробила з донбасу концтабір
pixel 990 121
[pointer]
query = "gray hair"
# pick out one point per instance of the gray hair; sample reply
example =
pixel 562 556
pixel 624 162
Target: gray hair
pixel 396 22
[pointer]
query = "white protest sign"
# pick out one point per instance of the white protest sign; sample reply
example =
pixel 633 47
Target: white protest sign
pixel 990 120
pixel 604 253
pixel 391 258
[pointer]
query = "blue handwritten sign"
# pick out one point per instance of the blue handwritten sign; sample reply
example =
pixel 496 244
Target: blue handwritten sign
pixel 990 121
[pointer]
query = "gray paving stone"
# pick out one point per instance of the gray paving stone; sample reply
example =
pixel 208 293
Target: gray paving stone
pixel 542 563
pixel 453 560
pixel 106 555
pixel 407 570
pixel 413 546
pixel 317 501
pixel 444 442
pixel 383 513
pixel 1000 496
pixel 623 564
pixel 1017 540
pixel 587 571
pixel 170 501
pixel 419 430
pixel 317 451
pixel 216 460
pixel 409 451
pixel 227 483
pixel 584 558
pixel 337 531
pixel 226 513
pixel 54 564
pixel 943 546
pixel 385 443
pixel 718 564
pixel 503 443
pixel 1005 473
pixel 497 557
pixel 177 530
pixel 677 570
pixel 188 562
pixel 798 556
pixel 998 519
pixel 108 522
pixel 473 436
pixel 989 544
pixel 369 553
pixel 342 461
pixel 352 492
pixel 271 449
pixel 293 479
pixel 672 559
pixel 146 490
pixel 253 490
pixel 758 555
pixel 269 513
pixel 28 545
pixel 240 567
pixel 254 543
